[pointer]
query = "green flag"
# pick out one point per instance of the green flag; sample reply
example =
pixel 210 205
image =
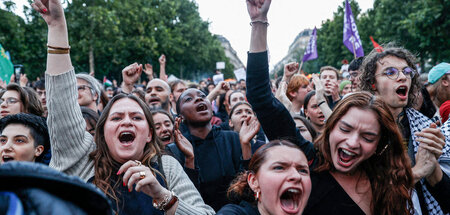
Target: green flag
pixel 6 66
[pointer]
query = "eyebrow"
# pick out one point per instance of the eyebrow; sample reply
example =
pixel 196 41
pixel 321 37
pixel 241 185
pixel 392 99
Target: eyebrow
pixel 287 164
pixel 348 125
pixel 122 113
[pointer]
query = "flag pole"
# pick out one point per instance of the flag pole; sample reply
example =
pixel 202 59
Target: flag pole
pixel 354 50
pixel 300 68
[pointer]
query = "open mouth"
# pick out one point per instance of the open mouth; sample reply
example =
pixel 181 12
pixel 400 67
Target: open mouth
pixel 402 91
pixel 321 118
pixel 290 200
pixel 153 99
pixel 126 137
pixel 7 158
pixel 201 107
pixel 165 138
pixel 346 156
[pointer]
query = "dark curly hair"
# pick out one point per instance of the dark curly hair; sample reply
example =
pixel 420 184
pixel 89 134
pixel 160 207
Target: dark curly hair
pixel 369 68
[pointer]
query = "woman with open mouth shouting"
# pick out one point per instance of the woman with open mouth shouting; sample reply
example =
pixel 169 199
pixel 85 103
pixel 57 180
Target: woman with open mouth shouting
pixel 277 182
pixel 125 159
pixel 359 165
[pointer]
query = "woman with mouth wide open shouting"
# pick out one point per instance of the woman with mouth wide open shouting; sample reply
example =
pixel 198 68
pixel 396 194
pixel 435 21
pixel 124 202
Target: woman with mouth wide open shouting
pixel 277 182
pixel 361 165
pixel 125 161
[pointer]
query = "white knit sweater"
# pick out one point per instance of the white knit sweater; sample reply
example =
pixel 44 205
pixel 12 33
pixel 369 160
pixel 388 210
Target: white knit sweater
pixel 71 144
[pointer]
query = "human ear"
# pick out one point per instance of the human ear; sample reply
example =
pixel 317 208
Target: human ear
pixel 150 136
pixel 253 182
pixel 38 150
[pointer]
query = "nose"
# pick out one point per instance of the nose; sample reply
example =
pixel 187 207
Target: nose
pixel 198 99
pixel 7 147
pixel 401 76
pixel 353 141
pixel 294 175
pixel 126 121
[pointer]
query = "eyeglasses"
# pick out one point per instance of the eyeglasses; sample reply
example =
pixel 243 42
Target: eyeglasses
pixel 83 87
pixel 354 74
pixel 392 72
pixel 9 101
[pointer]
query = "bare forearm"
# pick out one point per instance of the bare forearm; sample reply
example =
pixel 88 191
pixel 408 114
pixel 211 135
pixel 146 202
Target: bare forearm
pixel 436 176
pixel 258 41
pixel 126 88
pixel 58 37
pixel 162 73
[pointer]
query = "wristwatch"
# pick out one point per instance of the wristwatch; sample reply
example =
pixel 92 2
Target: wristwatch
pixel 166 203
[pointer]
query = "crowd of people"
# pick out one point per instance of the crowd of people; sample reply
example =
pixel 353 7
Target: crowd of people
pixel 375 142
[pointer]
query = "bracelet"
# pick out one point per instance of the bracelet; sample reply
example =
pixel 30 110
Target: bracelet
pixel 167 202
pixel 259 21
pixel 50 51
pixel 57 48
pixel 320 103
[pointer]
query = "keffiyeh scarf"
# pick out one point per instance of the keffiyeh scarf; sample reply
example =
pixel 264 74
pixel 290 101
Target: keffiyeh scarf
pixel 417 122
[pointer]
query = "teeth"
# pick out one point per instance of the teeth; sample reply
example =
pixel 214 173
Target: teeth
pixel 348 153
pixel 292 190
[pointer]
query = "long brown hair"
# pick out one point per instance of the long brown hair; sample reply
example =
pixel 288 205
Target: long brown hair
pixel 389 169
pixel 239 189
pixel 104 163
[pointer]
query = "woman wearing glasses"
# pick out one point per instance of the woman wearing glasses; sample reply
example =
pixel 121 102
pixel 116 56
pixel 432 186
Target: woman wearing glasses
pixel 16 99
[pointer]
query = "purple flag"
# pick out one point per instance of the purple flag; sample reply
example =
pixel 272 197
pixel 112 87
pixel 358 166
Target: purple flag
pixel 311 49
pixel 351 35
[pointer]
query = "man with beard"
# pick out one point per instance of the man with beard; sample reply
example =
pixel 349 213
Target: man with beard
pixel 157 92
pixel 157 95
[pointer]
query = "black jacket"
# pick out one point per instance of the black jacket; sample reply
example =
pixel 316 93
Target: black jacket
pixel 39 189
pixel 275 119
pixel 244 208
pixel 218 159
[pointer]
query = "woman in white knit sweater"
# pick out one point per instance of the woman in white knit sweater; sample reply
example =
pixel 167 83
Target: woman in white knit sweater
pixel 125 160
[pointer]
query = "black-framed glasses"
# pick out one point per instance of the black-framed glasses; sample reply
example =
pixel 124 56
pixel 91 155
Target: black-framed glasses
pixel 392 72
pixel 83 87
pixel 9 101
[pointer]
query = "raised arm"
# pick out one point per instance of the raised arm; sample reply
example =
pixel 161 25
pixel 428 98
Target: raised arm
pixel 275 119
pixel 257 9
pixel 70 142
pixel 53 14
pixel 162 68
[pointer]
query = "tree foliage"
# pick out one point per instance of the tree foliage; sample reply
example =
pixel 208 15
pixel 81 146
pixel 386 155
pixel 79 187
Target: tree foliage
pixel 118 33
pixel 421 26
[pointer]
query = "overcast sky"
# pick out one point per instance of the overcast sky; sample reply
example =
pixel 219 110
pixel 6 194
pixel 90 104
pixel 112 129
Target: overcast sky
pixel 286 17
